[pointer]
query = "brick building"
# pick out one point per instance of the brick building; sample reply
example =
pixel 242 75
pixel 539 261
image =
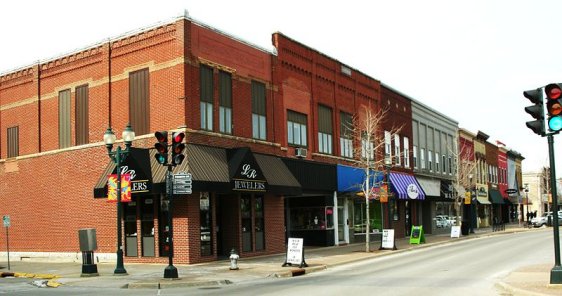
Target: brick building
pixel 278 114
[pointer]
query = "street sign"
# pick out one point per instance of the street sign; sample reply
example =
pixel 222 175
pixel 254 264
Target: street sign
pixel 511 191
pixel 182 183
pixel 6 220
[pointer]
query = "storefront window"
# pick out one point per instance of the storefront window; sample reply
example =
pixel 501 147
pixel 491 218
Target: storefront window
pixel 246 213
pixel 360 216
pixel 130 229
pixel 312 218
pixel 259 225
pixel 147 227
pixel 205 224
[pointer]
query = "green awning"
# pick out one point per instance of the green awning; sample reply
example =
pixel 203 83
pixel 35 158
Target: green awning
pixel 495 197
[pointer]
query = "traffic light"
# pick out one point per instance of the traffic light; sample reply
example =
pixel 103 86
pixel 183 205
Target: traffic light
pixel 536 110
pixel 554 107
pixel 161 147
pixel 177 147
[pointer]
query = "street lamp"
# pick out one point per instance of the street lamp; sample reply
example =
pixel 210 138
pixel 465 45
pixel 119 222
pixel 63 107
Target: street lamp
pixel 118 156
pixel 472 204
pixel 387 165
pixel 527 201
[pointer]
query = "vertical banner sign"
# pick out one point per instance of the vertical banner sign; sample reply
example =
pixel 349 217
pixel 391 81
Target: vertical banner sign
pixel 416 236
pixel 384 193
pixel 125 188
pixel 295 252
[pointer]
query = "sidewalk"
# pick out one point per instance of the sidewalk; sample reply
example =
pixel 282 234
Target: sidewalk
pixel 531 280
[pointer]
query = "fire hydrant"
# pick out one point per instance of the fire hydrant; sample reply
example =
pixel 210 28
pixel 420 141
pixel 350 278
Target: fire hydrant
pixel 234 260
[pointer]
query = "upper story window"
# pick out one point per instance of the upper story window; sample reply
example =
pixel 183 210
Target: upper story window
pixel 437 166
pixel 397 156
pixel 444 161
pixel 13 141
pixel 387 145
pixel 367 148
pixel 430 160
pixel 415 156
pixel 139 104
pixel 64 119
pixel 422 158
pixel 325 129
pixel 258 111
pixel 406 152
pixel 82 125
pixel 296 129
pixel 346 142
pixel 206 97
pixel 225 102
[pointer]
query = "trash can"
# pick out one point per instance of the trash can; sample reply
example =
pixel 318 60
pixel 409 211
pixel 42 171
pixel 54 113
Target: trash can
pixel 465 227
pixel 88 244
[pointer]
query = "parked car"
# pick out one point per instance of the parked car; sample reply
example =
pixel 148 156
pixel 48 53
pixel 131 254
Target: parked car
pixel 453 220
pixel 543 220
pixel 442 221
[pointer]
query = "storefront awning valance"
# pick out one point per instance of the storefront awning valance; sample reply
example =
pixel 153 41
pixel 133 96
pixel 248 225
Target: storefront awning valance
pixel 431 187
pixel 351 179
pixel 406 187
pixel 483 201
pixel 496 197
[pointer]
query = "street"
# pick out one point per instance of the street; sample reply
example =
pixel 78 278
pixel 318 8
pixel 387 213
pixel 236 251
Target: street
pixel 465 267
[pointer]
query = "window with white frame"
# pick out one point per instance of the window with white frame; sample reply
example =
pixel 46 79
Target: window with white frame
pixel 406 152
pixel 430 160
pixel 450 165
pixel 325 129
pixel 444 169
pixel 296 129
pixel 437 167
pixel 225 102
pixel 258 111
pixel 415 156
pixel 346 143
pixel 397 156
pixel 206 89
pixel 387 145
pixel 422 158
pixel 367 148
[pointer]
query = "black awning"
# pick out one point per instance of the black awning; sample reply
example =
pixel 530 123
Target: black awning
pixel 314 177
pixel 495 197
pixel 279 178
pixel 138 165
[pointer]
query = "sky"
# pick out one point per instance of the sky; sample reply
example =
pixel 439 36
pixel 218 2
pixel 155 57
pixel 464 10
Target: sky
pixel 469 60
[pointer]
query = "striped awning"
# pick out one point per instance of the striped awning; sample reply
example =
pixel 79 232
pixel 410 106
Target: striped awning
pixel 406 187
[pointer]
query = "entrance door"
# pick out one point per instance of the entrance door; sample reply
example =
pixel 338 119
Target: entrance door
pixel 341 224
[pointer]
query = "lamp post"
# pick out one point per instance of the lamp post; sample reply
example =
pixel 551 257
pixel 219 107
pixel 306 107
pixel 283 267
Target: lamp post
pixel 473 204
pixel 387 165
pixel 527 201
pixel 118 156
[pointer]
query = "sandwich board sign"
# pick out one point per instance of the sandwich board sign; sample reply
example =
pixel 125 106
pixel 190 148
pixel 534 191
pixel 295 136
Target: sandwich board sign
pixel 416 235
pixel 387 241
pixel 295 253
pixel 456 231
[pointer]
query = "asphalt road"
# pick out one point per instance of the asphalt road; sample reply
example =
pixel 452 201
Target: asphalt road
pixel 468 267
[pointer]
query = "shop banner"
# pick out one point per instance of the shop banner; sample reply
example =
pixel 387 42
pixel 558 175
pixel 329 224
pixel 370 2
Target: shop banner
pixel 383 193
pixel 125 188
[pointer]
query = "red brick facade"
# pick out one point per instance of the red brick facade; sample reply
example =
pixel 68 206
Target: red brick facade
pixel 47 191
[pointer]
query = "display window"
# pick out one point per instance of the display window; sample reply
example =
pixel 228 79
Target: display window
pixel 312 218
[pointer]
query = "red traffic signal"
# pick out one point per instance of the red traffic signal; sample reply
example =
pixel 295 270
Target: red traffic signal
pixel 161 147
pixel 554 107
pixel 177 148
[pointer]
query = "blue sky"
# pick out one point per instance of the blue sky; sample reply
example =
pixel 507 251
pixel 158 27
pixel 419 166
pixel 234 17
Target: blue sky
pixel 470 60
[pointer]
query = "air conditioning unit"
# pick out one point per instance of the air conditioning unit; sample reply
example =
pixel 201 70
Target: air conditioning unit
pixel 301 152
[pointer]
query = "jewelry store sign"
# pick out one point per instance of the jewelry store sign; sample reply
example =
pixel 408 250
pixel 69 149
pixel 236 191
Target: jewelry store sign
pixel 248 178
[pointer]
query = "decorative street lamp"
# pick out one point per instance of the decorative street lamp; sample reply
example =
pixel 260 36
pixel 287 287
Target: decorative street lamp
pixel 387 165
pixel 473 204
pixel 118 156
pixel 527 202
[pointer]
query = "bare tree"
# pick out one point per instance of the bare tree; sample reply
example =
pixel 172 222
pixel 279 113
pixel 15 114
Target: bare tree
pixel 367 128
pixel 465 172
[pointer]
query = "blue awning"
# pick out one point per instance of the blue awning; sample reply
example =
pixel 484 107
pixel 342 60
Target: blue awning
pixel 350 179
pixel 406 186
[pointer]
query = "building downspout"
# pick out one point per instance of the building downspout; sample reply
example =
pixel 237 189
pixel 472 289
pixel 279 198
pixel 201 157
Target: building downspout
pixel 109 79
pixel 39 104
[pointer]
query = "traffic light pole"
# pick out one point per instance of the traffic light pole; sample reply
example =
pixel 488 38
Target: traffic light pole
pixel 170 272
pixel 556 272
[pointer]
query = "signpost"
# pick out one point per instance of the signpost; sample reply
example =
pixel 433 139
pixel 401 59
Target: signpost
pixel 6 220
pixel 295 252
pixel 182 183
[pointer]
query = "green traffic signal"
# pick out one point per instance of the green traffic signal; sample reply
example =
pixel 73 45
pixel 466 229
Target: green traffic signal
pixel 161 147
